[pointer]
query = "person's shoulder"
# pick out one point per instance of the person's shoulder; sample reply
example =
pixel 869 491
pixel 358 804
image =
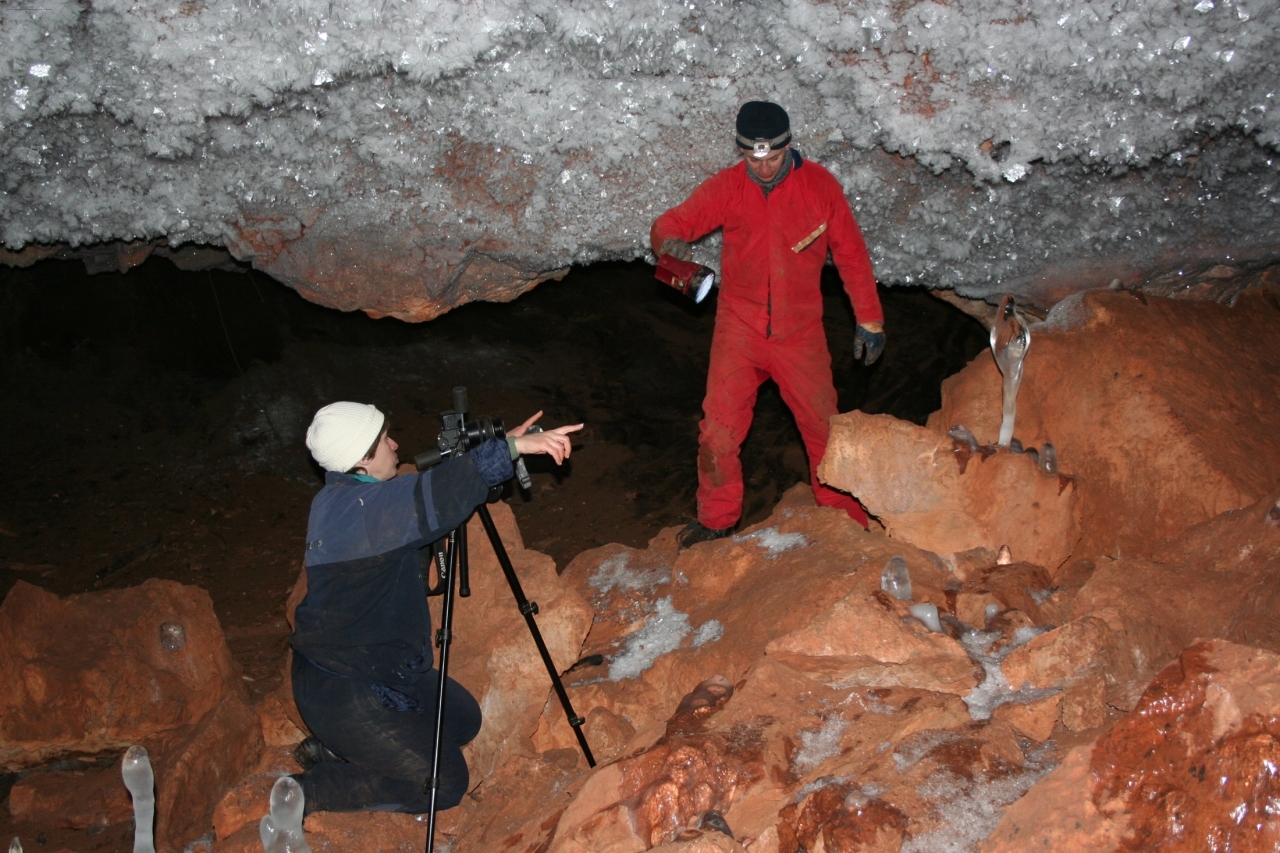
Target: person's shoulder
pixel 730 174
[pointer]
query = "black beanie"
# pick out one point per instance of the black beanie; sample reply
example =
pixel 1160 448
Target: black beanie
pixel 763 120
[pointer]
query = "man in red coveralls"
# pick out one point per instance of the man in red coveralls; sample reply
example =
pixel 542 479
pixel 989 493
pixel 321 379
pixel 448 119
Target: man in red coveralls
pixel 781 215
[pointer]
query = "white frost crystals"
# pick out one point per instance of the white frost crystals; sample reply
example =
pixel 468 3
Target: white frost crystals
pixel 774 542
pixel 665 630
pixel 317 105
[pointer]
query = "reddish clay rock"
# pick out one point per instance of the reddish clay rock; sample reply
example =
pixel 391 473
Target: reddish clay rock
pixel 1192 767
pixel 194 767
pixel 412 274
pixel 111 682
pixel 911 478
pixel 1219 581
pixel 845 819
pixel 334 832
pixel 244 805
pixel 76 799
pixel 1163 410
pixel 1062 655
pixel 716 608
pixel 1058 814
pixel 870 640
pixel 1034 720
pixel 494 654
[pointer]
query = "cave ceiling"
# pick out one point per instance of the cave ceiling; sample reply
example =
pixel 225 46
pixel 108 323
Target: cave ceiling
pixel 402 157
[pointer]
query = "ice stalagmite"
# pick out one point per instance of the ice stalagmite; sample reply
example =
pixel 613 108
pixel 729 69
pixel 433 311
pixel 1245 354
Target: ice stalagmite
pixel 140 781
pixel 1010 340
pixel 928 614
pixel 15 846
pixel 281 829
pixel 895 579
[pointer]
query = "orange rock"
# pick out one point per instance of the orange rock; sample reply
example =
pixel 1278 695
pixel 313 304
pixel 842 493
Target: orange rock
pixel 1191 767
pixel 1084 703
pixel 1162 431
pixel 368 832
pixel 245 804
pixel 1061 655
pixel 1033 720
pixel 909 478
pixel 73 799
pixel 1058 814
pixel 195 766
pixel 110 682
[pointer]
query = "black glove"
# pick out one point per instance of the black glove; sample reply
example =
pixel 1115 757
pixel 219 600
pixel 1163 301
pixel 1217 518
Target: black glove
pixel 678 249
pixel 871 341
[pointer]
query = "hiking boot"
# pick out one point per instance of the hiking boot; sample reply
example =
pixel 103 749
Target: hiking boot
pixel 311 752
pixel 695 532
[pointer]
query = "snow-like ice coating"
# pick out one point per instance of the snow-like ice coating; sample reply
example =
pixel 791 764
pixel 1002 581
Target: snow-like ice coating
pixel 407 155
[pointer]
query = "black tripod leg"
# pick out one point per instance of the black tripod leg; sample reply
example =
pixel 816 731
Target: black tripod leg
pixel 529 608
pixel 457 549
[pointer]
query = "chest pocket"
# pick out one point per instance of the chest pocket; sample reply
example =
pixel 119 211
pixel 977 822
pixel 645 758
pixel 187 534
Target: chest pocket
pixel 808 241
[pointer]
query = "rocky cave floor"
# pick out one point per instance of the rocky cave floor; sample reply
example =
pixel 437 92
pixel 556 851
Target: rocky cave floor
pixel 153 422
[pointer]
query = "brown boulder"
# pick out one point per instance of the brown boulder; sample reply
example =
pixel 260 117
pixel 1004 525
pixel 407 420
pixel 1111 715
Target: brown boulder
pixel 195 766
pixel 911 479
pixel 71 799
pixel 111 682
pixel 1163 410
pixel 493 653
pixel 664 620
pixel 1192 767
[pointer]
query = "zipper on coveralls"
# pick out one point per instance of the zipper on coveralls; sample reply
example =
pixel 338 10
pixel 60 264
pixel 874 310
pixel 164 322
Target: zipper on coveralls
pixel 768 328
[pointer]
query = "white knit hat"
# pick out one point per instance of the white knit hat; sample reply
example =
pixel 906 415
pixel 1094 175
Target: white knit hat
pixel 341 434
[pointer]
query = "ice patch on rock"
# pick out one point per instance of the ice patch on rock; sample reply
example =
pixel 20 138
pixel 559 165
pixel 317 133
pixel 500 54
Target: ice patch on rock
pixel 774 542
pixel 616 572
pixel 994 689
pixel 664 631
pixel 817 746
pixel 968 811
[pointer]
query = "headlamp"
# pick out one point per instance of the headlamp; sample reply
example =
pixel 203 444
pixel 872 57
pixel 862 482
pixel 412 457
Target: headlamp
pixel 761 148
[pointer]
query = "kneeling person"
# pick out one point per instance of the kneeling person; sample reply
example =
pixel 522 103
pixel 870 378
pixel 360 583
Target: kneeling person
pixel 363 669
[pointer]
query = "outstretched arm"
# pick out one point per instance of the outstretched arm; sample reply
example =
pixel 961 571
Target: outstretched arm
pixel 555 443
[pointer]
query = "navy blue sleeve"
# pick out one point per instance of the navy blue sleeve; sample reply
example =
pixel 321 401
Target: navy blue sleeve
pixel 493 461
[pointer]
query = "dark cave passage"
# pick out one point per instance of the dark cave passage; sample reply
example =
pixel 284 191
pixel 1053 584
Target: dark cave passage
pixel 155 418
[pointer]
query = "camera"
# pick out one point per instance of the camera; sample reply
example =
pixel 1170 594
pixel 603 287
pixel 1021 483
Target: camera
pixel 458 435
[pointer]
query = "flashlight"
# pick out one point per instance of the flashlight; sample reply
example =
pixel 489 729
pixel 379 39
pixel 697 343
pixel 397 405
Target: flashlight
pixel 691 279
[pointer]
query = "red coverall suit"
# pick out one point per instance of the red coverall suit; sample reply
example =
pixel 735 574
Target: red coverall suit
pixel 769 319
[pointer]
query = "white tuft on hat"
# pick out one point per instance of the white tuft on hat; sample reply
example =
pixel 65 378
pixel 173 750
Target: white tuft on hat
pixel 341 434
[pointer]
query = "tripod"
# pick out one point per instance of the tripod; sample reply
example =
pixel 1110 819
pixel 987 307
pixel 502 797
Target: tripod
pixel 451 561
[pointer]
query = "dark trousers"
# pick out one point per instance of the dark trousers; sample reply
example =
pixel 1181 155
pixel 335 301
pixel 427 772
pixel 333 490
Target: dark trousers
pixel 388 753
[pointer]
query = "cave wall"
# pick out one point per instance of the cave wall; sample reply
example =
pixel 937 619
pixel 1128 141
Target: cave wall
pixel 405 157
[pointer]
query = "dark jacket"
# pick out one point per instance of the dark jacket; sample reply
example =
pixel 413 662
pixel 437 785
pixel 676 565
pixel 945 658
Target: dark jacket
pixel 365 613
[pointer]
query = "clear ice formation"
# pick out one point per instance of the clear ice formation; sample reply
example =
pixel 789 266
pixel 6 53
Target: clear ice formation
pixel 928 614
pixel 895 579
pixel 138 778
pixel 1048 460
pixel 1010 340
pixel 976 146
pixel 961 433
pixel 15 846
pixel 173 637
pixel 281 828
